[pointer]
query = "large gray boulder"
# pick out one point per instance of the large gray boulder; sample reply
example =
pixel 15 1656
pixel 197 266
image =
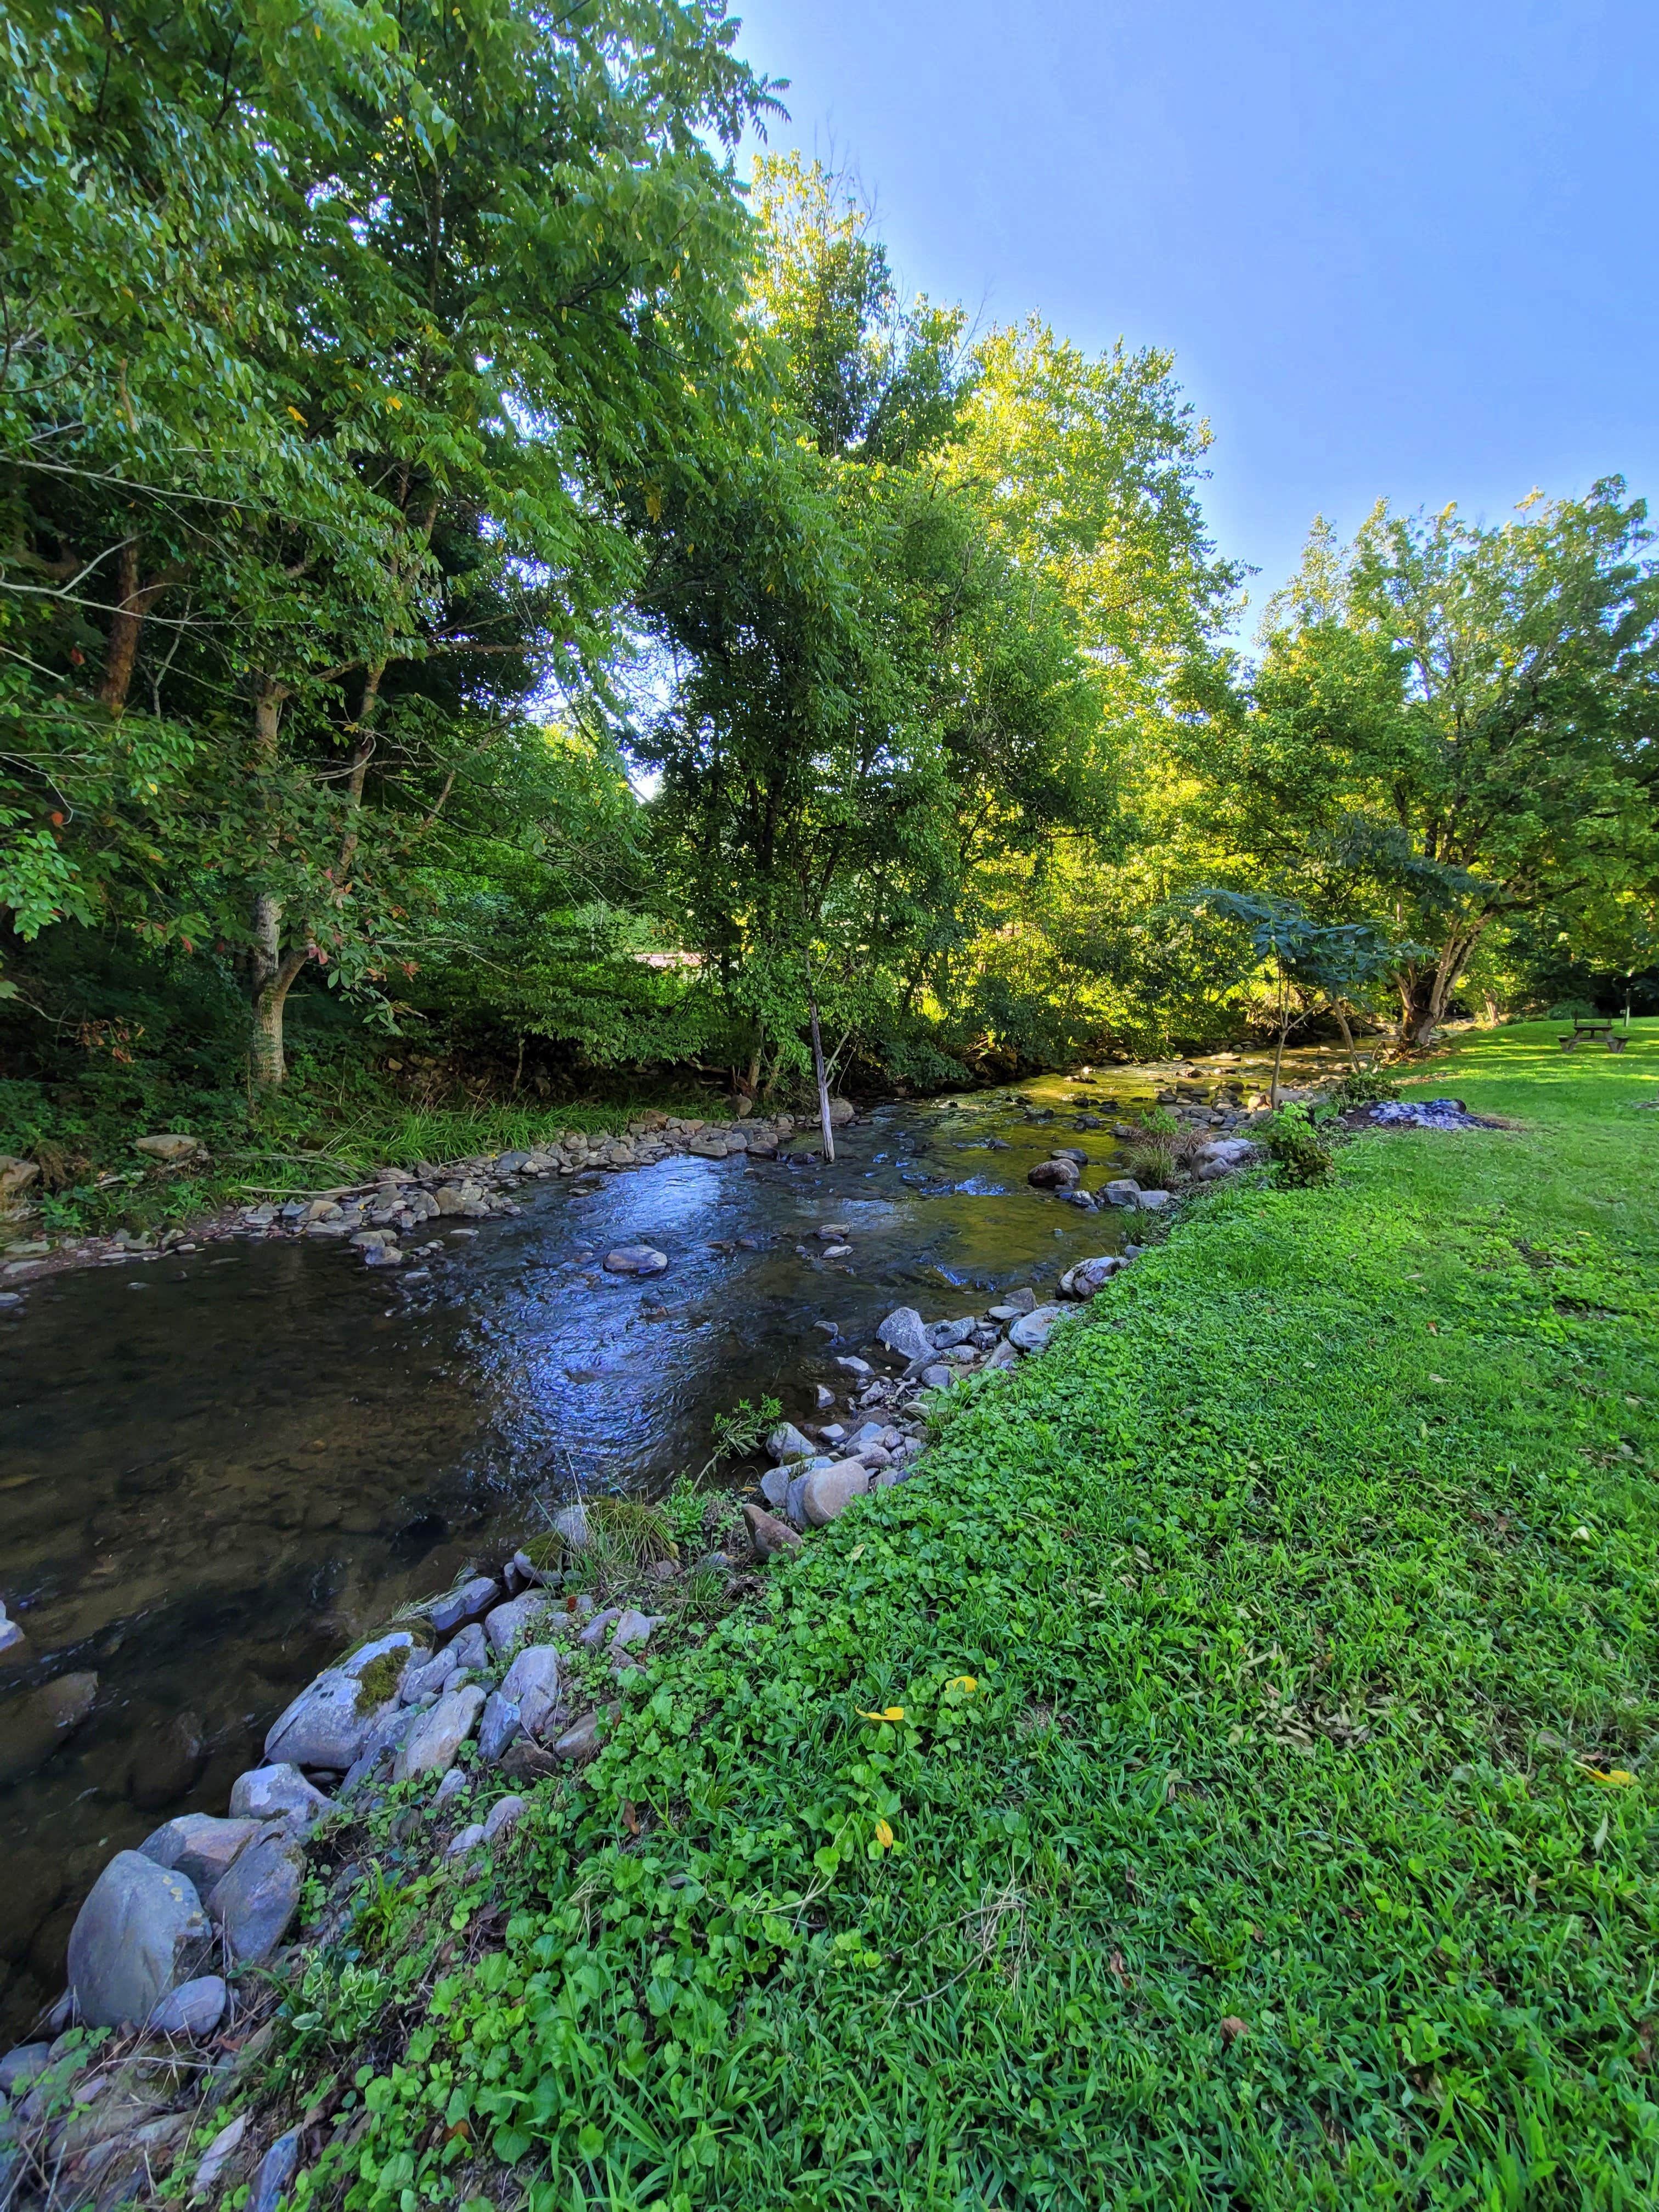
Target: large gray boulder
pixel 171 1144
pixel 582 1740
pixel 277 1793
pixel 571 1527
pixel 140 1932
pixel 506 1627
pixel 945 1333
pixel 1031 1332
pixel 431 1745
pixel 1123 1190
pixel 636 1260
pixel 1088 1276
pixel 431 1675
pixel 770 1537
pixel 524 1703
pixel 633 1628
pixel 199 1847
pixel 904 1332
pixel 255 1902
pixel 329 1722
pixel 1054 1175
pixel 831 1490
pixel 786 1443
pixel 1224 1156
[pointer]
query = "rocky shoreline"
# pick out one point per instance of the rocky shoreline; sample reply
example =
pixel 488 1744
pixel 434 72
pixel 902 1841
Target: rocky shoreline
pixel 186 1946
pixel 379 1215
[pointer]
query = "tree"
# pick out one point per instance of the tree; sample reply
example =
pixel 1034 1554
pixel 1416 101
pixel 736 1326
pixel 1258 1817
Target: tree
pixel 867 695
pixel 1454 719
pixel 343 483
pixel 1313 964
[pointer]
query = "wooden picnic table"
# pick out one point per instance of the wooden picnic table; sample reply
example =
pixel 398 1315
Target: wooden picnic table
pixel 1593 1025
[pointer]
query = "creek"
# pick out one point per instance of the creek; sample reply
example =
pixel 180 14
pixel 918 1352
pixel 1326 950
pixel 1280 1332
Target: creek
pixel 220 1468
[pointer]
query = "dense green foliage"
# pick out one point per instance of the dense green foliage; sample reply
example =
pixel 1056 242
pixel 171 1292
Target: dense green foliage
pixel 1258 1690
pixel 467 553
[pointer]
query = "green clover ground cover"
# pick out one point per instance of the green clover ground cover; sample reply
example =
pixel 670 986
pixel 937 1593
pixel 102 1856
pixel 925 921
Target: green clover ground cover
pixel 1269 1762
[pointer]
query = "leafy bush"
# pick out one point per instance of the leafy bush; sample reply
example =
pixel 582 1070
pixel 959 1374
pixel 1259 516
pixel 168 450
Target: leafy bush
pixel 1363 1087
pixel 1295 1145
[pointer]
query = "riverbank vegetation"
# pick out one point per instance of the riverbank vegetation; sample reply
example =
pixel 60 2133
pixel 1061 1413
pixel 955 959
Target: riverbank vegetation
pixel 1222 1771
pixel 492 604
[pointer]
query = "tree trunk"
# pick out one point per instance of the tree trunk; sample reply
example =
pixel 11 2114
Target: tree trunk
pixel 1279 1055
pixel 127 622
pixel 1425 993
pixel 1347 1037
pixel 273 975
pixel 824 1080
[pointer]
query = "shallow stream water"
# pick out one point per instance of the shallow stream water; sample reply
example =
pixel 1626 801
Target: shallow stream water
pixel 217 1469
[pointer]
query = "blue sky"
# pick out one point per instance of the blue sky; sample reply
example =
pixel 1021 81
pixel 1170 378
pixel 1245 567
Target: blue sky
pixel 1405 251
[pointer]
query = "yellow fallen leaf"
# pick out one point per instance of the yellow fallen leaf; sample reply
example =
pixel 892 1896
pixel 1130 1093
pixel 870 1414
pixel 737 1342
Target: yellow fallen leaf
pixel 884 1835
pixel 966 1683
pixel 892 1713
pixel 1612 1778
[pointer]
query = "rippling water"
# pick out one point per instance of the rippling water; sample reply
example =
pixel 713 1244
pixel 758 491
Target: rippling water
pixel 215 1469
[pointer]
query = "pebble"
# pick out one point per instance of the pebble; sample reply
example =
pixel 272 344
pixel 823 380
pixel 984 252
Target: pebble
pixel 218 2155
pixel 20 2066
pixel 502 1816
pixel 277 2170
pixel 193 2008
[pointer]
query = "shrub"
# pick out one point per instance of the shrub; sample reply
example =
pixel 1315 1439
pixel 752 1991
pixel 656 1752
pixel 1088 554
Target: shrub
pixel 1362 1087
pixel 1296 1147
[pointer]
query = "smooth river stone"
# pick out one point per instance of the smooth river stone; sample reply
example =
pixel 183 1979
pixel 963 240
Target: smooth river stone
pixel 140 1933
pixel 636 1260
pixel 332 1718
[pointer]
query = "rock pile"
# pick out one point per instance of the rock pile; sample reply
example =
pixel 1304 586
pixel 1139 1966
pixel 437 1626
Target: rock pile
pixel 175 1936
pixel 816 1477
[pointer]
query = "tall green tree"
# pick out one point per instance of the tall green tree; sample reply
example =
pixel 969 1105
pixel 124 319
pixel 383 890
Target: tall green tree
pixel 302 520
pixel 869 695
pixel 1454 719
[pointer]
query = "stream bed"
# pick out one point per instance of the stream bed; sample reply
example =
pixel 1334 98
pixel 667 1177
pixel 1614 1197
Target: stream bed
pixel 219 1469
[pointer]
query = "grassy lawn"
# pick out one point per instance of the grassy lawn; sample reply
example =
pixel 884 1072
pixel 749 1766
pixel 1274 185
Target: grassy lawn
pixel 1269 1763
